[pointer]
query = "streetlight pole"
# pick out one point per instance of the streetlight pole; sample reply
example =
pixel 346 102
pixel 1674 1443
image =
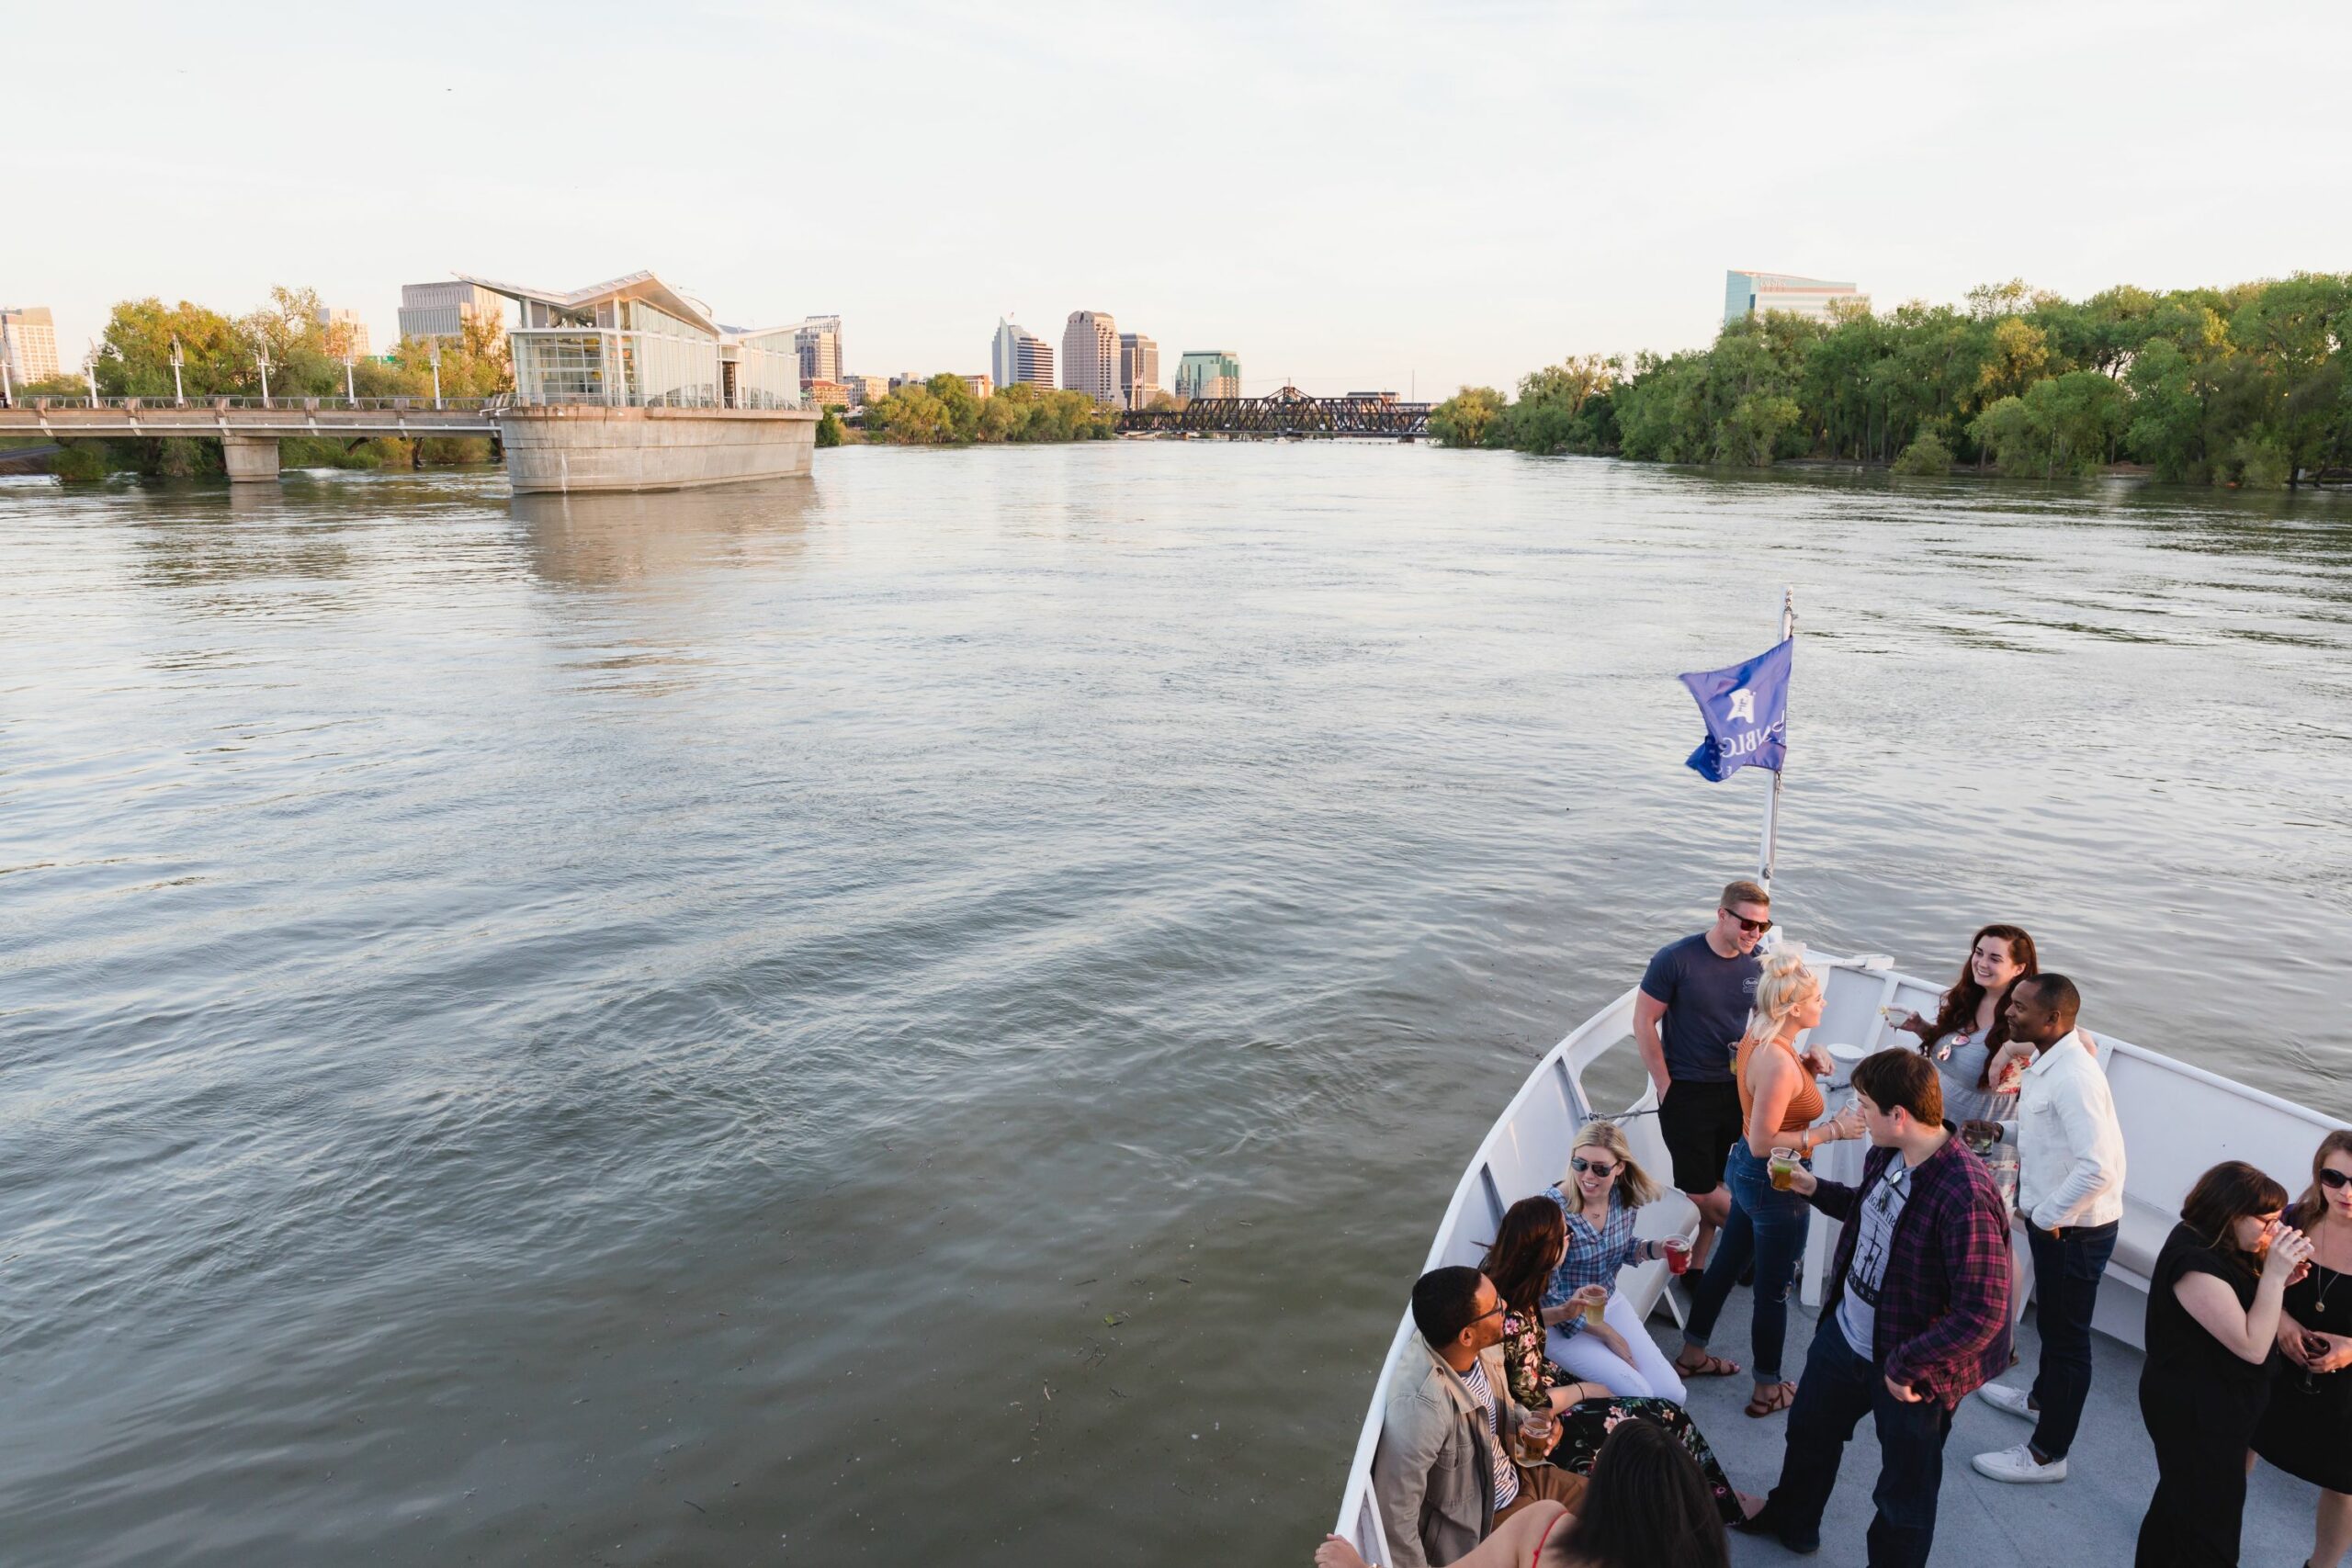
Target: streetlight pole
pixel 90 369
pixel 261 357
pixel 349 395
pixel 179 357
pixel 436 373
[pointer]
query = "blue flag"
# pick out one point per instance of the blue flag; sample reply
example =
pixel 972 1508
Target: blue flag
pixel 1748 715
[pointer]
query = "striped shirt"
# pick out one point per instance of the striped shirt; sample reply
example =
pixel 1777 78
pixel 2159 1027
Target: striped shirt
pixel 1594 1255
pixel 1506 1472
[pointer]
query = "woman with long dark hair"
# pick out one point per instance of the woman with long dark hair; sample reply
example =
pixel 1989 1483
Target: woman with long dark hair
pixel 2307 1431
pixel 2213 1316
pixel 1528 1246
pixel 1645 1507
pixel 1971 1025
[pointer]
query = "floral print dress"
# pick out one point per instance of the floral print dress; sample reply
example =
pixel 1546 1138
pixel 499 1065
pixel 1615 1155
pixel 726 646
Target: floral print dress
pixel 1587 1424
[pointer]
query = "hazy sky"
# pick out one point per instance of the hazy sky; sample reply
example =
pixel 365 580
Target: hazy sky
pixel 1351 195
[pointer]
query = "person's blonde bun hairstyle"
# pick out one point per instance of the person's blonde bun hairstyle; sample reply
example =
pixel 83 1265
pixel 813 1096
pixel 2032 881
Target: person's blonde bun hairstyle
pixel 1785 986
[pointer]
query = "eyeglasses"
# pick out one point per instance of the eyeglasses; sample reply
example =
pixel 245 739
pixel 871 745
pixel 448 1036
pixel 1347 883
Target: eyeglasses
pixel 1584 1167
pixel 2331 1176
pixel 1756 927
pixel 1498 1307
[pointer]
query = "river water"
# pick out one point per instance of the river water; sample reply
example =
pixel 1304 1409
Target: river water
pixel 929 1014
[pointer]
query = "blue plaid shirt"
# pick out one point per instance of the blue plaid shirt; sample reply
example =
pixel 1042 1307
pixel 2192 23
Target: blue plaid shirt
pixel 1594 1255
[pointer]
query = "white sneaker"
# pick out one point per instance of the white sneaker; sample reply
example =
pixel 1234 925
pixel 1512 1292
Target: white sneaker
pixel 2012 1401
pixel 2018 1464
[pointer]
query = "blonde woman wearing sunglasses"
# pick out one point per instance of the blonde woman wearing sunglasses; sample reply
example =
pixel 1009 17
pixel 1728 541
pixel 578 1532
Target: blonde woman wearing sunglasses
pixel 1598 1200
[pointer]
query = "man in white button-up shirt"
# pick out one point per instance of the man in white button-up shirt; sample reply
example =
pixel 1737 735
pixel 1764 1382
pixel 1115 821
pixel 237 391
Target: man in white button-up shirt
pixel 2070 1194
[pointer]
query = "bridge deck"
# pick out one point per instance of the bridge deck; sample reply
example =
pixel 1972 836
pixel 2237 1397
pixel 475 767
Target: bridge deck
pixel 241 416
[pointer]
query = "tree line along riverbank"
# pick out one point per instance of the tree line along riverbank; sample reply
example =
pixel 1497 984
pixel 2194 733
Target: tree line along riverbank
pixel 2249 384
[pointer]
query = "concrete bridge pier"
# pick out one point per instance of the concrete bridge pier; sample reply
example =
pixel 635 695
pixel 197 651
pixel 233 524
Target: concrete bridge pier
pixel 250 459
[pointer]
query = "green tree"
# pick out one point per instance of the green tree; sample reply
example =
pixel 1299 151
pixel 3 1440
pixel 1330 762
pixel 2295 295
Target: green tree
pixel 1463 419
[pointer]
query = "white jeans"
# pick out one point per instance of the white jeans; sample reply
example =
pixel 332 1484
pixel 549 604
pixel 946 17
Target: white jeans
pixel 1585 1358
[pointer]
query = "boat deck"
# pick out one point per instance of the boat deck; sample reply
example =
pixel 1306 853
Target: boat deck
pixel 2088 1520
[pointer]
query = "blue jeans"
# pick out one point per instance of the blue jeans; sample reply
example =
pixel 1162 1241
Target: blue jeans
pixel 2066 1270
pixel 1767 1229
pixel 1838 1389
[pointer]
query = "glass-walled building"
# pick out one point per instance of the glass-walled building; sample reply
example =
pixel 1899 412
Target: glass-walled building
pixel 636 343
pixel 1208 373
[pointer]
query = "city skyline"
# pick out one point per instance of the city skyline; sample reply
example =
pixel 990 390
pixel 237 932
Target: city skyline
pixel 1462 240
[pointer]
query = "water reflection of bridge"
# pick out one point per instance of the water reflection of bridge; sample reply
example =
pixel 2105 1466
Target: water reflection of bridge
pixel 1289 412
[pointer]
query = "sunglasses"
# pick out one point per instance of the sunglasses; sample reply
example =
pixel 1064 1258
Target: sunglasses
pixel 2331 1176
pixel 1756 927
pixel 1584 1167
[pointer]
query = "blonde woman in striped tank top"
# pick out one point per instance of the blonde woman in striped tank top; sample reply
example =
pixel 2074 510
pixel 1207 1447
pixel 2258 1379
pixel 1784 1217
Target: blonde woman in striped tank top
pixel 1766 1228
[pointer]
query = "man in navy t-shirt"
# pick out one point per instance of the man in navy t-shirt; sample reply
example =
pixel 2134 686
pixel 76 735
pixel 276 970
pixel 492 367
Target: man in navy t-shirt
pixel 1693 1008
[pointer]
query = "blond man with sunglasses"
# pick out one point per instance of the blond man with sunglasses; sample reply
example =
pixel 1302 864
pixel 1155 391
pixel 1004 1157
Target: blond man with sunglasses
pixel 1693 1007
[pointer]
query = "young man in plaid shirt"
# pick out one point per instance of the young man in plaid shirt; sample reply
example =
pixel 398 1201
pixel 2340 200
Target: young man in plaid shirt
pixel 1917 1315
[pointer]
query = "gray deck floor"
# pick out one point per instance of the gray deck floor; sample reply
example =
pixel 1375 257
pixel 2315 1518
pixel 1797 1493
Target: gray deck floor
pixel 2088 1520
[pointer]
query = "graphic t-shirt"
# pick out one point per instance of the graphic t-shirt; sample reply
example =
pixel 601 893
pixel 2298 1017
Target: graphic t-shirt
pixel 1881 1207
pixel 1707 998
pixel 1506 1475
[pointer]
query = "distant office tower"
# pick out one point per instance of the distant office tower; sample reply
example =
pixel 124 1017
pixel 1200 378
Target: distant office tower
pixel 868 390
pixel 1019 355
pixel 820 343
pixel 442 310
pixel 1139 370
pixel 28 342
pixel 1091 355
pixel 346 333
pixel 1753 293
pixel 828 395
pixel 1208 373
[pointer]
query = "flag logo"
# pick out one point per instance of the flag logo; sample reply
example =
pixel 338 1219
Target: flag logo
pixel 1746 709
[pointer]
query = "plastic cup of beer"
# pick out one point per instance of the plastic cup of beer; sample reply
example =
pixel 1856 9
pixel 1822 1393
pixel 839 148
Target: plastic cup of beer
pixel 1593 1311
pixel 1678 1255
pixel 1783 1168
pixel 1893 1015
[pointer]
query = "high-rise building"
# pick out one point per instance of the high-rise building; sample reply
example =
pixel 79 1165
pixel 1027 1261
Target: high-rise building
pixel 1753 293
pixel 1019 355
pixel 1208 373
pixel 28 344
pixel 1091 355
pixel 346 333
pixel 820 343
pixel 443 310
pixel 1139 370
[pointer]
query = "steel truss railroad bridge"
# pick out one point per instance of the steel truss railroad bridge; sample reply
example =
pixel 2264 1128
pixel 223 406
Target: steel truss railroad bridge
pixel 1289 412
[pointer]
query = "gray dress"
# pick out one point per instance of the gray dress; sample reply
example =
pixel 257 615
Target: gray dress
pixel 1961 1072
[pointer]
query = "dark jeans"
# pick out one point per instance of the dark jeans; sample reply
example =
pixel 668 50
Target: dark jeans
pixel 2066 1269
pixel 1767 1229
pixel 1839 1388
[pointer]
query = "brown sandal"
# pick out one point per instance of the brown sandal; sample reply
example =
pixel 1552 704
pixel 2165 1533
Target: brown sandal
pixel 1707 1367
pixel 1772 1400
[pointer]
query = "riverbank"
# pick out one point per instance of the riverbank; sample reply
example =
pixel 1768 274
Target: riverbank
pixel 2246 386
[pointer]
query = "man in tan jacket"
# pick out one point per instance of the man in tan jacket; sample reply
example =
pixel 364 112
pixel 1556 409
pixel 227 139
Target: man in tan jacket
pixel 1442 1473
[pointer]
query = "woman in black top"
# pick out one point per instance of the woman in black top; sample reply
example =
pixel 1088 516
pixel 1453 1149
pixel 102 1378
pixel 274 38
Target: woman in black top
pixel 2307 1431
pixel 2212 1332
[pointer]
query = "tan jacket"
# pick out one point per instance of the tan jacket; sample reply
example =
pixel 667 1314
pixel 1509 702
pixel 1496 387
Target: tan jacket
pixel 1433 1471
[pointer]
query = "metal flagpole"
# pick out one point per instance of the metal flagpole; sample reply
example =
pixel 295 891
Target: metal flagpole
pixel 1772 801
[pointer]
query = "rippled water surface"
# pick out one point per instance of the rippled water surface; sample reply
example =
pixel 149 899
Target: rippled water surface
pixel 928 1015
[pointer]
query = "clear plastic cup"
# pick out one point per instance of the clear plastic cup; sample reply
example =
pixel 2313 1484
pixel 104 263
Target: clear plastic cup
pixel 1784 1167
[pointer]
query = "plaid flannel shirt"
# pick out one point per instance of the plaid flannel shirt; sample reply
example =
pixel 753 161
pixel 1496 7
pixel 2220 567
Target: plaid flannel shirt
pixel 1942 1325
pixel 1593 1256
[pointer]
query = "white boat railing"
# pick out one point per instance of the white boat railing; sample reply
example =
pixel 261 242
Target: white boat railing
pixel 2178 1120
